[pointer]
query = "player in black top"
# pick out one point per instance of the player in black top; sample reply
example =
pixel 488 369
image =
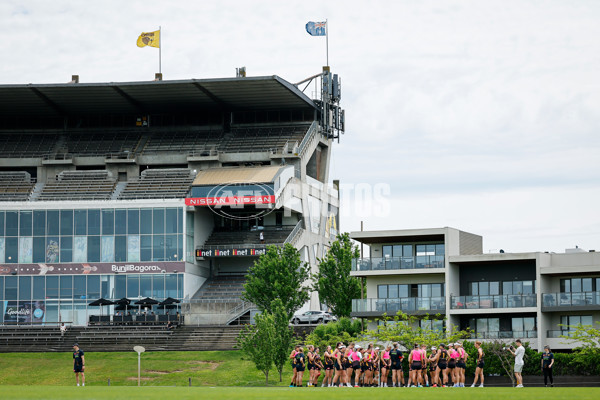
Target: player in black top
pixel 442 364
pixel 480 364
pixel 396 365
pixel 78 364
pixel 300 366
pixel 547 363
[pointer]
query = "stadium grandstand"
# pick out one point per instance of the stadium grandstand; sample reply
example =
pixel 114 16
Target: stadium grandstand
pixel 129 205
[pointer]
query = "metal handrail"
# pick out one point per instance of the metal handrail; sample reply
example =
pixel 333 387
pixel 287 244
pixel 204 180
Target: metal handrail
pixel 292 236
pixel 312 131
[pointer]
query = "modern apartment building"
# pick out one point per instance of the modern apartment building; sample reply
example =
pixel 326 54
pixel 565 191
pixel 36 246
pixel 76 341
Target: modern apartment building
pixel 533 296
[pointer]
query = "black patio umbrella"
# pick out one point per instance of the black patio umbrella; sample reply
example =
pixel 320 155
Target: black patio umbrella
pixel 169 301
pixel 101 302
pixel 147 302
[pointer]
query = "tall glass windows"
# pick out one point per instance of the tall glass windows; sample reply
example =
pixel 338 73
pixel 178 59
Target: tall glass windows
pixel 80 218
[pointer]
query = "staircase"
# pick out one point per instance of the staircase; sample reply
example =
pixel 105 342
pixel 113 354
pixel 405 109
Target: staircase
pixel 118 338
pixel 118 190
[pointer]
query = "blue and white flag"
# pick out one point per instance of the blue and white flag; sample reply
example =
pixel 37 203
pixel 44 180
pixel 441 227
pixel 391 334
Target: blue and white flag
pixel 316 28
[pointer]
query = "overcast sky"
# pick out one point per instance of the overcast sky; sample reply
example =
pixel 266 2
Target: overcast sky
pixel 480 115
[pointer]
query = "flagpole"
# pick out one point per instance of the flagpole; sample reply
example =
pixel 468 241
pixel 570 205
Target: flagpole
pixel 159 50
pixel 327 39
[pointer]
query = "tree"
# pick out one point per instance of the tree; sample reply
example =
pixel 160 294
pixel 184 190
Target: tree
pixel 256 341
pixel 282 342
pixel 586 337
pixel 498 349
pixel 278 274
pixel 333 282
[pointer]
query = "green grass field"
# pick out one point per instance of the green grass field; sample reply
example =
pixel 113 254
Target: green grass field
pixel 179 393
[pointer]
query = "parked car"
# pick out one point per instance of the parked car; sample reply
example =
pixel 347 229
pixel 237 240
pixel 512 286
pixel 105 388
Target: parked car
pixel 313 317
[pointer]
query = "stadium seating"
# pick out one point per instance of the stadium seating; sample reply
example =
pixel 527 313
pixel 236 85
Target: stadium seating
pixel 272 235
pixel 15 186
pixel 22 145
pixel 183 142
pixel 79 185
pixel 228 287
pixel 117 338
pixel 169 183
pixel 101 143
pixel 266 138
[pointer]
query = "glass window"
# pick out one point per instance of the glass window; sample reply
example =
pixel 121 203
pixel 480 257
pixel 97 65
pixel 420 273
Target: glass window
pixel 436 290
pixel 387 251
pixel 440 249
pixel 39 223
pixel 146 221
pixel 179 248
pixel 180 220
pixel 52 287
pixel 66 287
pixel 189 227
pixel 66 222
pixel 565 285
pixel 529 323
pixel 25 249
pixel 93 224
pixel 133 286
pixel 517 324
pixel 25 288
pixel 474 288
pixel 407 250
pixel 576 285
pixel 179 286
pixel 93 286
pixel 397 251
pixel 25 223
pixel 158 220
pixel 52 222
pixel 494 288
pixel 120 222
pixel 146 248
pixel 393 291
pixel 93 248
pixel 120 286
pixel 80 218
pixel 382 291
pixel 586 285
pixel 107 249
pixel 403 291
pixel 1 290
pixel 421 250
pixel 171 285
pixel 79 290
pixel 11 250
pixel 1 223
pixel 171 248
pixel 10 288
pixel 12 223
pixel 133 221
pixel 105 287
pixel 484 288
pixel 158 286
pixel 482 325
pixel 171 220
pixel 108 222
pixel 66 248
pixel 133 248
pixel 527 287
pixel 80 249
pixel 586 320
pixel 39 287
pixel 158 248
pixel 120 248
pixel 146 285
pixel 430 249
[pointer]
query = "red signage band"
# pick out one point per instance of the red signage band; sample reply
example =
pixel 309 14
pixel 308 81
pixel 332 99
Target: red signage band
pixel 229 200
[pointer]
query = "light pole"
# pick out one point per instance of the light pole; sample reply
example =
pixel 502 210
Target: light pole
pixel 139 350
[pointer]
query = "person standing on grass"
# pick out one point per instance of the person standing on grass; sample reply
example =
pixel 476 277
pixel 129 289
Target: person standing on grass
pixel 547 363
pixel 78 364
pixel 328 357
pixel 293 360
pixel 479 368
pixel 300 366
pixel 518 354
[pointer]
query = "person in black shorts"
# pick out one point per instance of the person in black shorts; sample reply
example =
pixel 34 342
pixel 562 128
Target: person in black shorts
pixel 300 366
pixel 328 358
pixel 480 364
pixel 442 364
pixel 78 364
pixel 396 365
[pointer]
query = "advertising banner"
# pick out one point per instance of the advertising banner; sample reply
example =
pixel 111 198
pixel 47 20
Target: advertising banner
pixel 233 252
pixel 149 267
pixel 24 312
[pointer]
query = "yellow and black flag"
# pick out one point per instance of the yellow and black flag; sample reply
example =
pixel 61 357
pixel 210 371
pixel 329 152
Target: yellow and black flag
pixel 151 39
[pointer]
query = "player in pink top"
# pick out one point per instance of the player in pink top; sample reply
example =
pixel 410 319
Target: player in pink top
pixel 454 355
pixel 385 365
pixel 416 363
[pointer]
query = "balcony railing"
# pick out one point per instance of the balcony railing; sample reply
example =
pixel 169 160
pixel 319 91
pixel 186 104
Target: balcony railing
pixel 571 299
pixel 558 333
pixel 396 263
pixel 404 304
pixel 498 301
pixel 505 335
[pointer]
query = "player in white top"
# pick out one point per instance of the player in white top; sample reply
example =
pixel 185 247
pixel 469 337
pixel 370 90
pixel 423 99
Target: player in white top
pixel 518 353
